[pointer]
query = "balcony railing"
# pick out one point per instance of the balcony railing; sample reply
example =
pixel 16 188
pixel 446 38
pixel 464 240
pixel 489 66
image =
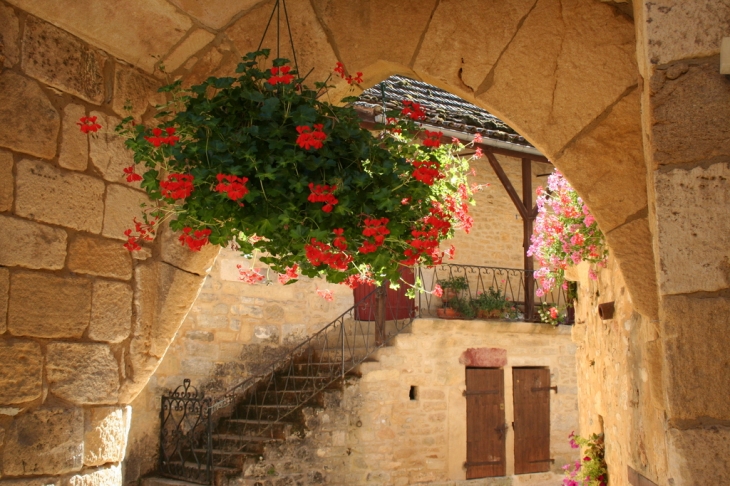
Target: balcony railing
pixel 509 284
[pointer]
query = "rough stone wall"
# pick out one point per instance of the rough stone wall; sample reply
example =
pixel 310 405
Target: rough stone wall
pixel 82 323
pixel 618 388
pixel 686 102
pixel 373 433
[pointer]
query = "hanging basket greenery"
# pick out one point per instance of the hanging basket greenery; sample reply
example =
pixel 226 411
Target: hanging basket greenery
pixel 262 160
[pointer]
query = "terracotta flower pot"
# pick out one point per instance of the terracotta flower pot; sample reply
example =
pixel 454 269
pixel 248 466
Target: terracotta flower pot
pixel 447 313
pixel 489 314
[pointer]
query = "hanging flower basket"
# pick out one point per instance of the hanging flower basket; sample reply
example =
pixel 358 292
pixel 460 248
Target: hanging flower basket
pixel 265 161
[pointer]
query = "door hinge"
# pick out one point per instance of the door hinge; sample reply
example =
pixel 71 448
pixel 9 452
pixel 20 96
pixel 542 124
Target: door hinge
pixel 545 388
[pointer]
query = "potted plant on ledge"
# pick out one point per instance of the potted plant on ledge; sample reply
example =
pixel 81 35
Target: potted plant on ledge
pixel 490 304
pixel 452 289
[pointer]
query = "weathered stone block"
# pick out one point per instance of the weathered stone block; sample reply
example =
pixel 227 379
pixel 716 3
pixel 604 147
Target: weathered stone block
pixel 61 60
pixel 74 152
pixel 99 256
pixel 265 334
pixel 105 435
pixel 27 244
pixel 21 372
pixel 691 451
pixel 28 121
pixel 45 441
pixel 108 153
pixel 111 311
pixel 578 68
pixel 162 299
pixel 123 204
pixel 7 181
pixel 693 234
pixel 681 131
pixel 139 34
pixel 192 44
pixel 107 476
pixel 174 253
pixel 675 29
pixel 632 246
pixel 216 13
pixel 51 195
pixel 9 31
pixel 36 481
pixel 696 377
pixel 135 90
pixel 447 34
pixel 48 306
pixel 84 374
pixel 4 291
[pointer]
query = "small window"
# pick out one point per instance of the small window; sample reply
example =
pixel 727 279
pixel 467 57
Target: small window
pixel 413 393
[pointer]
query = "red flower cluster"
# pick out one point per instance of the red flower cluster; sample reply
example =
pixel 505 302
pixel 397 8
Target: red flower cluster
pixel 194 239
pixel 250 276
pixel 157 139
pixel 340 69
pixel 285 77
pixel 290 274
pixel 323 193
pixel 311 139
pixel 177 186
pixel 433 139
pixel 340 241
pixel 88 124
pixel 235 187
pixel 132 176
pixel 145 232
pixel 413 110
pixel 427 172
pixel 319 253
pixel 425 240
pixel 377 229
pixel 354 281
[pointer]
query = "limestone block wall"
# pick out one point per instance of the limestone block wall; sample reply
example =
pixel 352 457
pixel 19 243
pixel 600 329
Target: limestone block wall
pixel 82 322
pixel 372 432
pixel 619 381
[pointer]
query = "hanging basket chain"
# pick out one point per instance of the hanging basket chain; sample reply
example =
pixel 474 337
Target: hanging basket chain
pixel 277 10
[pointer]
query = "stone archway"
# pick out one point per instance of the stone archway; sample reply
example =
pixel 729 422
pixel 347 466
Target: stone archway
pixel 562 72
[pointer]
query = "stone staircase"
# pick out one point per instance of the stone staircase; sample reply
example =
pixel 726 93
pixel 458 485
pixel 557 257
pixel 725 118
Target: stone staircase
pixel 230 434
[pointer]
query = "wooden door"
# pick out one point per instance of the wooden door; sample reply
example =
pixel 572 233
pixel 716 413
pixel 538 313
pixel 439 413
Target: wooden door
pixel 532 419
pixel 485 426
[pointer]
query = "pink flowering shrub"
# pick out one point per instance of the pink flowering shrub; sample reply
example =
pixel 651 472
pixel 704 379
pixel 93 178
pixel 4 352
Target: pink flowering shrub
pixel 565 233
pixel 591 469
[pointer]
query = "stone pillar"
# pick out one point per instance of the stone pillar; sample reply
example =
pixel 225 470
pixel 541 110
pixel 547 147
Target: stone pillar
pixel 83 324
pixel 686 108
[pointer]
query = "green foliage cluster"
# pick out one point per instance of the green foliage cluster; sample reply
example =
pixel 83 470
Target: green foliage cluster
pixel 248 127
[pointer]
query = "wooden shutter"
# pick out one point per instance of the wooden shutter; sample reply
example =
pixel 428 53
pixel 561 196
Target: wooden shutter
pixel 485 426
pixel 532 419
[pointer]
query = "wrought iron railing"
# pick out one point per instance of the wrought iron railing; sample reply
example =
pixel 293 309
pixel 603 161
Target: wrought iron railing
pixel 516 286
pixel 184 423
pixel 233 426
